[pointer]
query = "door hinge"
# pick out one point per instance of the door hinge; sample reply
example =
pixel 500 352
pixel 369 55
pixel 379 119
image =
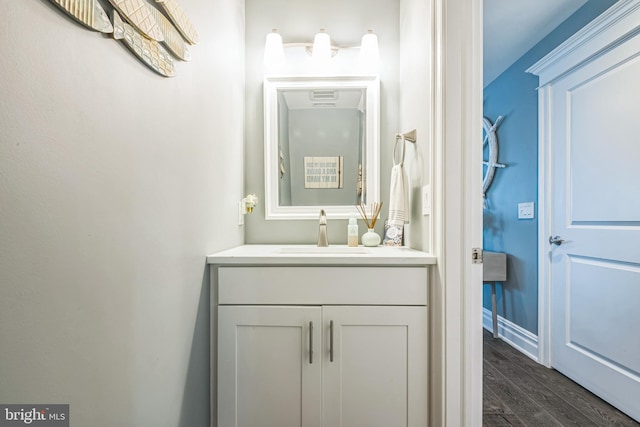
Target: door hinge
pixel 476 256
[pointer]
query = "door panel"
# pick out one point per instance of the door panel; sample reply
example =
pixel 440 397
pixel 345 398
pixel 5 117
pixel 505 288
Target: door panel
pixel 603 137
pixel 265 375
pixel 617 290
pixel 373 377
pixel 595 283
pixel 378 375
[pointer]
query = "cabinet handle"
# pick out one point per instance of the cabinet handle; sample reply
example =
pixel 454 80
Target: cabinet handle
pixel 310 342
pixel 331 341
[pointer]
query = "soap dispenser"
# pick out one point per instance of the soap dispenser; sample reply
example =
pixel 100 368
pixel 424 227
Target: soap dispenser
pixel 352 232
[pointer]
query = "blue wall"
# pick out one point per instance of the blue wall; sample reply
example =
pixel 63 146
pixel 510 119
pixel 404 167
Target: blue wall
pixel 513 95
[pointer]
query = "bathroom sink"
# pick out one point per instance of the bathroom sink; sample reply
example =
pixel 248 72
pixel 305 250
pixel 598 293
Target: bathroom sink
pixel 314 250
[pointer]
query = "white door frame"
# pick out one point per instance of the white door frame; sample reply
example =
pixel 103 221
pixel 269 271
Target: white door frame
pixel 544 229
pixel 456 336
pixel 585 45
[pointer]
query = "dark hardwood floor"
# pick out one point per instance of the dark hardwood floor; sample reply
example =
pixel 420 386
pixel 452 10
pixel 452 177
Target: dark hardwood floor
pixel 520 392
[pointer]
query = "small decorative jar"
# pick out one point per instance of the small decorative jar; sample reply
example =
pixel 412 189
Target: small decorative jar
pixel 370 238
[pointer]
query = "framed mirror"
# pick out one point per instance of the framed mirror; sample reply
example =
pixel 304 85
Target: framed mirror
pixel 322 140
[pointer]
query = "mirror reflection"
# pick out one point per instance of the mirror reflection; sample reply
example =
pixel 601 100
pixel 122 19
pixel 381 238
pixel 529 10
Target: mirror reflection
pixel 321 145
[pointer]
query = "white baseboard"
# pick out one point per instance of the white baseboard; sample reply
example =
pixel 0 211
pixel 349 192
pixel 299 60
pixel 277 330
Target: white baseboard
pixel 514 335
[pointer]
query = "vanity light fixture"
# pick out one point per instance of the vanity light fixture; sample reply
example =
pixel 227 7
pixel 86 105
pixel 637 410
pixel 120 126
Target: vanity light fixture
pixel 321 49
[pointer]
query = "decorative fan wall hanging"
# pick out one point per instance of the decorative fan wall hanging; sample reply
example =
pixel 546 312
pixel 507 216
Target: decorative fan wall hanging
pixel 149 51
pixel 180 19
pixel 145 27
pixel 138 14
pixel 87 12
pixel 172 38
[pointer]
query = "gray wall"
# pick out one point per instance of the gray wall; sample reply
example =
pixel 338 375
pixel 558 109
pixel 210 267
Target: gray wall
pixel 299 21
pixel 311 135
pixel 115 183
pixel 416 98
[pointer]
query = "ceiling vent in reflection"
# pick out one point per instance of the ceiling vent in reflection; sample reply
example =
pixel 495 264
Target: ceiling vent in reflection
pixel 323 104
pixel 322 95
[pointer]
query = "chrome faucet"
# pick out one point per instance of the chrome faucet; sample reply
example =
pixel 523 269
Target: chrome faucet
pixel 323 240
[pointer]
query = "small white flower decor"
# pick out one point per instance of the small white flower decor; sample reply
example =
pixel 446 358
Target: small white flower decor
pixel 249 203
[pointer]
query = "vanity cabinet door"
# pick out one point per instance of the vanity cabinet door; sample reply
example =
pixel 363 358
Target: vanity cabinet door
pixel 269 366
pixel 378 375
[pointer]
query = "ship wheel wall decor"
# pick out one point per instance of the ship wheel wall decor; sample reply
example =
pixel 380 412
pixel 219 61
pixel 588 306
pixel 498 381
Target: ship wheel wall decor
pixel 490 139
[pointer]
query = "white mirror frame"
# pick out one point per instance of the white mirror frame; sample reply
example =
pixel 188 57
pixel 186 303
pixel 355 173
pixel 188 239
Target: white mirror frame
pixel 273 210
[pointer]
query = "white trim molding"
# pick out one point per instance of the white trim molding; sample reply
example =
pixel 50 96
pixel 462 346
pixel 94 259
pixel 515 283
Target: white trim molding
pixel 514 335
pixel 612 27
pixel 456 286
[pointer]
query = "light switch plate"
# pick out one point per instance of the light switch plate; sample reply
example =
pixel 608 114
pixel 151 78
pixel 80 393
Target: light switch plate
pixel 525 210
pixel 426 200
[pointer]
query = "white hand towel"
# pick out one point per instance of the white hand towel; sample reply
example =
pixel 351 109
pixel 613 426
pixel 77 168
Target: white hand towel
pixel 399 191
pixel 399 197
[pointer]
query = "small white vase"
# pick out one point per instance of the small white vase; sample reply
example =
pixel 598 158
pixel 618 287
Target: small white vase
pixel 370 238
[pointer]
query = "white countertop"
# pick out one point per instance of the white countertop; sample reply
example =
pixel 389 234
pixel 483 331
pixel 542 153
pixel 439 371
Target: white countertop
pixel 313 255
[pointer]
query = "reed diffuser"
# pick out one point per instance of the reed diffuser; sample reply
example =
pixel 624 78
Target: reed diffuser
pixel 370 238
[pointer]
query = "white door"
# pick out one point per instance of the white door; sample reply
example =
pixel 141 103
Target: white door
pixel 375 369
pixel 595 273
pixel 269 366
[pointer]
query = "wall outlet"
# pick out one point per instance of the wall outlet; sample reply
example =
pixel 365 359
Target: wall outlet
pixel 525 210
pixel 426 200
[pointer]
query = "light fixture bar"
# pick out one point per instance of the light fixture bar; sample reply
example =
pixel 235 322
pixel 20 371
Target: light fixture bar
pixel 322 50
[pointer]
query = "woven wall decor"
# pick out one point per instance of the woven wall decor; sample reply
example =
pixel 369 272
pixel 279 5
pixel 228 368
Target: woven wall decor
pixel 145 27
pixel 87 12
pixel 149 51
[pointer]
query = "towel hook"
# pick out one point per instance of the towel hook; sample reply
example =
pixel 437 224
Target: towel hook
pixel 408 136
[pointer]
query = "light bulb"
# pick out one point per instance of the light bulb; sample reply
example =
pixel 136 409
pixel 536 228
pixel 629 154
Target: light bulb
pixel 321 46
pixel 369 56
pixel 273 50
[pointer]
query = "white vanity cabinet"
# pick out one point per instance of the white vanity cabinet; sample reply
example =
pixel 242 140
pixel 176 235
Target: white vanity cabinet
pixel 315 345
pixel 378 373
pixel 267 375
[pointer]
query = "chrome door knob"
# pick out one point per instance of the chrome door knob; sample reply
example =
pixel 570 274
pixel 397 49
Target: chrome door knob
pixel 556 240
